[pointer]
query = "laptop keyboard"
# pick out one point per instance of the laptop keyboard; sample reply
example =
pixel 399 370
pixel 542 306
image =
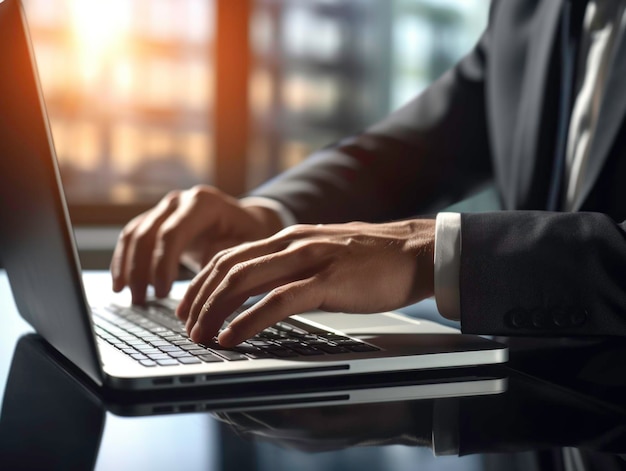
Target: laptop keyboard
pixel 153 336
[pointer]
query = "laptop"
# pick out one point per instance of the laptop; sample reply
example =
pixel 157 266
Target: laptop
pixel 127 348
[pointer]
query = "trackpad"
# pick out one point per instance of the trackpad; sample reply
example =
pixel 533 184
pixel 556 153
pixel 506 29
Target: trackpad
pixel 376 323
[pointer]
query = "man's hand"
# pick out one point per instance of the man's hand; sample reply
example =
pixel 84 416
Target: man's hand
pixel 354 267
pixel 186 226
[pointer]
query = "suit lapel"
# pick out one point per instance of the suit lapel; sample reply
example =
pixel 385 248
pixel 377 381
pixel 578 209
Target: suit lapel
pixel 527 146
pixel 611 115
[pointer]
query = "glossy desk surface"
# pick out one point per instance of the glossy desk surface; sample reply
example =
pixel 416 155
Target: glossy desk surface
pixel 557 405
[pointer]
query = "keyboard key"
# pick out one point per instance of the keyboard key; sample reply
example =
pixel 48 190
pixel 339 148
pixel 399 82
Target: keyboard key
pixel 333 349
pixel 163 333
pixel 308 351
pixel 283 353
pixel 168 362
pixel 158 356
pixel 148 362
pixel 260 343
pixel 170 348
pixel 180 354
pixel 147 349
pixel 259 355
pixel 288 342
pixel 209 358
pixel 283 326
pixel 189 360
pixel 231 355
pixel 332 336
pixel 192 347
pixel 247 349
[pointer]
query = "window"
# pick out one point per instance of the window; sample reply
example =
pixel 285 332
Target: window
pixel 149 95
pixel 128 86
pixel 325 69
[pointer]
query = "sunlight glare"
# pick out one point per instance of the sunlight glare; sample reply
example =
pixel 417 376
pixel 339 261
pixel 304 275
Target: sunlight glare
pixel 99 29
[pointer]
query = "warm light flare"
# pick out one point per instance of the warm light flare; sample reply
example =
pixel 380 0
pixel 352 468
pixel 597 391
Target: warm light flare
pixel 99 30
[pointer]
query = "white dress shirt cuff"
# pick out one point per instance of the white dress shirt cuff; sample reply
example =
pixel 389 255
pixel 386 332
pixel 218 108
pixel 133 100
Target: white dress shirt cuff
pixel 447 265
pixel 286 217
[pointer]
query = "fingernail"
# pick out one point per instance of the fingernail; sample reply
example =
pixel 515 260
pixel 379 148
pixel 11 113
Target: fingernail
pixel 226 338
pixel 195 334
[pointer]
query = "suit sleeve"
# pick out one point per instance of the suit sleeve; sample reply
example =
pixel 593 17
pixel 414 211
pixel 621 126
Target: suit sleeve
pixel 420 158
pixel 538 273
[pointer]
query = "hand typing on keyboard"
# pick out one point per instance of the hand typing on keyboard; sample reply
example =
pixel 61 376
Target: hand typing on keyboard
pixel 354 267
pixel 186 227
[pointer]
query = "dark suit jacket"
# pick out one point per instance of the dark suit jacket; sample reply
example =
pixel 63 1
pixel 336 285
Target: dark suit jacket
pixel 494 116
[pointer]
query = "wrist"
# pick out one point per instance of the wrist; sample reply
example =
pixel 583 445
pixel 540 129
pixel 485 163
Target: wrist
pixel 420 241
pixel 428 257
pixel 268 220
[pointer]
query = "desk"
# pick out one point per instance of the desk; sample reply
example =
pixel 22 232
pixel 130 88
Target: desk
pixel 63 422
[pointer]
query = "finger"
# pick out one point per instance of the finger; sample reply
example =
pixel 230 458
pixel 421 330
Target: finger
pixel 209 324
pixel 187 302
pixel 219 267
pixel 118 260
pixel 193 302
pixel 294 298
pixel 141 244
pixel 173 236
pixel 198 259
pixel 247 279
pixel 215 271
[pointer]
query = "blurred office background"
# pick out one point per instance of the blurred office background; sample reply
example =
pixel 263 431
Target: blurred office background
pixel 145 96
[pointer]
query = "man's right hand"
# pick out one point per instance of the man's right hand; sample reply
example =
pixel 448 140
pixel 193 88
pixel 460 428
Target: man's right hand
pixel 187 227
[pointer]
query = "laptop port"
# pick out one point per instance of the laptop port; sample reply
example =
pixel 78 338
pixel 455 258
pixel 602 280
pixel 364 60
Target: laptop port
pixel 161 381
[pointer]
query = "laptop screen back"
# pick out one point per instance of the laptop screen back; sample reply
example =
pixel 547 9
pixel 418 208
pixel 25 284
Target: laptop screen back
pixel 36 244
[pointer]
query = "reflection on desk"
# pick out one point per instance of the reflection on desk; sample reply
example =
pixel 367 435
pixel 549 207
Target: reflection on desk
pixel 54 419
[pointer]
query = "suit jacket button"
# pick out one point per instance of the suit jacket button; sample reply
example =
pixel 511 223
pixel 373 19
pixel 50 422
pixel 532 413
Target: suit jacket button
pixel 561 317
pixel 578 317
pixel 518 318
pixel 539 318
